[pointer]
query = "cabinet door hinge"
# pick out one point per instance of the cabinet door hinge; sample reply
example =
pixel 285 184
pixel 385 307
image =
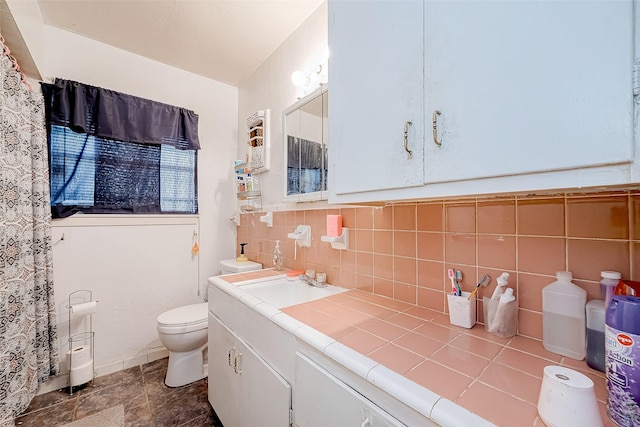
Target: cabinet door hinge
pixel 636 79
pixel 291 417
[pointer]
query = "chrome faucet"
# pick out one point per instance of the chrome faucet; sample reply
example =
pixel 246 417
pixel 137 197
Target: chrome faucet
pixel 310 281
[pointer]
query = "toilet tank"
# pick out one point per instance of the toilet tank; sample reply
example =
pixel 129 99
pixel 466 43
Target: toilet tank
pixel 228 266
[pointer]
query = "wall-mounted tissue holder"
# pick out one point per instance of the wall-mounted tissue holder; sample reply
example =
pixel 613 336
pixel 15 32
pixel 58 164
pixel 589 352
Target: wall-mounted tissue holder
pixel 302 236
pixel 267 219
pixel 340 242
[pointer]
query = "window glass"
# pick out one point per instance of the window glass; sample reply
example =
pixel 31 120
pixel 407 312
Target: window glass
pixel 97 175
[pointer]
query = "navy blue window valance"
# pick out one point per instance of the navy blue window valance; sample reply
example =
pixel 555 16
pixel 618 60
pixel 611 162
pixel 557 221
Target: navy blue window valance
pixel 114 115
pixel 111 152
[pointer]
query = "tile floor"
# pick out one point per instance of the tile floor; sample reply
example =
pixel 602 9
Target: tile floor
pixel 147 401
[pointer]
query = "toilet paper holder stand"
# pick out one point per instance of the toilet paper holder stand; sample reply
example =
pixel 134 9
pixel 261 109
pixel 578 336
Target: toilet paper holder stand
pixel 81 305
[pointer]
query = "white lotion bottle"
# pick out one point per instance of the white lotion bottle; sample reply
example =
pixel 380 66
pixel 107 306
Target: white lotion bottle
pixel 563 317
pixel 501 281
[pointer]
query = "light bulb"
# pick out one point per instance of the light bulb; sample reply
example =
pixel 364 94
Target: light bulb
pixel 299 79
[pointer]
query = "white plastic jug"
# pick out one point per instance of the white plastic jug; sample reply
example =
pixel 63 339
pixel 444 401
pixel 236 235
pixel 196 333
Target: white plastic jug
pixel 563 317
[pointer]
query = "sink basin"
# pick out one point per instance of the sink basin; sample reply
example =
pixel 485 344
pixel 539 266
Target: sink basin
pixel 281 292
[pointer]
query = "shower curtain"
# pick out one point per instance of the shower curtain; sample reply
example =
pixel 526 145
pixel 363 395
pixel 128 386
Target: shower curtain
pixel 28 342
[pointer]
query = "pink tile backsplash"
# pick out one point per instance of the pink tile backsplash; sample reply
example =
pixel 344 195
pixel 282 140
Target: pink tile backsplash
pixel 598 217
pixel 541 217
pixel 403 251
pixel 497 217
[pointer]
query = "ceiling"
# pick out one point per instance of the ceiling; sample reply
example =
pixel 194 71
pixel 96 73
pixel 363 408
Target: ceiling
pixel 224 40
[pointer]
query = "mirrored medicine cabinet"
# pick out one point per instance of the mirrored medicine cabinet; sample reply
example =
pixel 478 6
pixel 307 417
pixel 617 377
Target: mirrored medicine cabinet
pixel 305 133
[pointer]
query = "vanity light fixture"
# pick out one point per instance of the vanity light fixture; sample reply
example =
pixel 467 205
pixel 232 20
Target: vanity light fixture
pixel 313 76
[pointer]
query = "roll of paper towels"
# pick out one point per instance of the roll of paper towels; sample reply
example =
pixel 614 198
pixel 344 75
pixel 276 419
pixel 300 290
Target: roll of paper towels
pixel 79 356
pixel 84 308
pixel 81 374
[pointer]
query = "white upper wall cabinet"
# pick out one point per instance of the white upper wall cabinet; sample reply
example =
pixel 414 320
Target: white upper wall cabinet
pixel 531 95
pixel 528 86
pixel 376 69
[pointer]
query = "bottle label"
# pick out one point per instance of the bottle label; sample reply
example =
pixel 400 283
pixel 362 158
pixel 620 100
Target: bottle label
pixel 623 376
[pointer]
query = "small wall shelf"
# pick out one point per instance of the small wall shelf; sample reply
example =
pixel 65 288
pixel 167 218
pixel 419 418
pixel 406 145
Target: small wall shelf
pixel 267 219
pixel 340 242
pixel 247 188
pixel 258 140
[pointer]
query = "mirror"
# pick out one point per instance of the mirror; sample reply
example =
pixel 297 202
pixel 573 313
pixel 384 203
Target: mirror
pixel 305 133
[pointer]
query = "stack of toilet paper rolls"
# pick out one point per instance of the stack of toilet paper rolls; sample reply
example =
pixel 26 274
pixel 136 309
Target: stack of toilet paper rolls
pixel 80 365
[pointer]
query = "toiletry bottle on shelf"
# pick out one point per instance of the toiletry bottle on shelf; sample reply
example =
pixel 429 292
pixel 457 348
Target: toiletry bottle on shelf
pixel 563 317
pixel 277 257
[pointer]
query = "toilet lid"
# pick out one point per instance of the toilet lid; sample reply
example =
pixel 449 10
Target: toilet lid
pixel 184 316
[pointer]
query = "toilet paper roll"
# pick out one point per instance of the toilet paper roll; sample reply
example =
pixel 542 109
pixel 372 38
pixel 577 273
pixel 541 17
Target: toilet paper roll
pixel 84 308
pixel 567 398
pixel 79 356
pixel 81 374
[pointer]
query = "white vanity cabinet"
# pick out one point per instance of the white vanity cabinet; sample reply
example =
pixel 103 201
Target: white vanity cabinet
pixel 322 400
pixel 243 389
pixel 503 96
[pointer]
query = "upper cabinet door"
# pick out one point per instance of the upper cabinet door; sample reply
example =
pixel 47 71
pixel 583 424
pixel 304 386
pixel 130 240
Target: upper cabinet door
pixel 376 75
pixel 527 86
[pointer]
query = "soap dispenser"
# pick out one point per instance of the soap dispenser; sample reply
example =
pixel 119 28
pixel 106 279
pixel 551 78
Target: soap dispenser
pixel 242 257
pixel 277 257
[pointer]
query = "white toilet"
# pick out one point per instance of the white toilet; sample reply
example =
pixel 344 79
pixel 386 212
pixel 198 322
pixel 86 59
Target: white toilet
pixel 183 331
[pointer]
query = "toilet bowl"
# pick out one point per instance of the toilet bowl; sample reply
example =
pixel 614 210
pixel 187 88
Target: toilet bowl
pixel 184 332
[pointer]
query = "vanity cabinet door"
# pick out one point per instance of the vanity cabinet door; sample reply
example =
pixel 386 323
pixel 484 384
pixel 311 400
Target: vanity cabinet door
pixel 527 86
pixel 223 384
pixel 376 77
pixel 316 390
pixel 244 390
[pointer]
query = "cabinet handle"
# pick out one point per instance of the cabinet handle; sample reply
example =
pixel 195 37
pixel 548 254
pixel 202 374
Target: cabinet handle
pixel 232 350
pixel 406 139
pixel 237 359
pixel 434 120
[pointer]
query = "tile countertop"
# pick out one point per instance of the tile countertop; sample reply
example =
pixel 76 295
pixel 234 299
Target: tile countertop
pixel 496 378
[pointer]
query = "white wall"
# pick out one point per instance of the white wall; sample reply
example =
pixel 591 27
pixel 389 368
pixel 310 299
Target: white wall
pixel 270 87
pixel 126 265
pixel 136 267
pixel 139 268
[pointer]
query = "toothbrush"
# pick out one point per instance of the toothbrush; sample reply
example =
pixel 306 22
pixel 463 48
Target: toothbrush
pixel 458 274
pixel 454 288
pixel 483 282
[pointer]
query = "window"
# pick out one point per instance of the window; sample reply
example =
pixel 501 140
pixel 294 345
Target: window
pixel 93 170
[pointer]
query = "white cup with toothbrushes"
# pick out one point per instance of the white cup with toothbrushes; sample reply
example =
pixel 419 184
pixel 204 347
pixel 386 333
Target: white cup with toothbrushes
pixel 462 310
